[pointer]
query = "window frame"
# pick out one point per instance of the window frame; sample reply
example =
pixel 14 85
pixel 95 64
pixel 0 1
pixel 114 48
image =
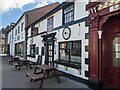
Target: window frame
pixel 22 26
pixel 70 62
pixel 33 46
pixel 50 23
pixel 15 32
pixel 19 49
pixel 69 15
pixel 18 29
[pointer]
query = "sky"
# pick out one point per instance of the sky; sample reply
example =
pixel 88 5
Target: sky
pixel 12 10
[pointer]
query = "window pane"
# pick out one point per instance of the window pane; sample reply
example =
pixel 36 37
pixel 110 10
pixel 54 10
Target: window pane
pixel 116 52
pixel 68 14
pixel 76 52
pixel 32 50
pixel 64 54
pixel 50 24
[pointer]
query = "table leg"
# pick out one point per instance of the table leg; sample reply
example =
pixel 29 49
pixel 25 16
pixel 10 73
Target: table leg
pixel 19 68
pixel 57 76
pixel 42 80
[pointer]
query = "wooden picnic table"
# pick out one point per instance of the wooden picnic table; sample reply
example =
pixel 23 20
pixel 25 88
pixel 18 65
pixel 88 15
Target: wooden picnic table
pixel 48 72
pixel 13 59
pixel 22 62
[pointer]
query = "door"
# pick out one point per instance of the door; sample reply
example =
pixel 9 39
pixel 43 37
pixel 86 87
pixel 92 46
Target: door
pixel 111 53
pixel 115 69
pixel 50 53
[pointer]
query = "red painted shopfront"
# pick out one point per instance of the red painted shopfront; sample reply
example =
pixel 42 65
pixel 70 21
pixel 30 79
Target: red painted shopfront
pixel 104 44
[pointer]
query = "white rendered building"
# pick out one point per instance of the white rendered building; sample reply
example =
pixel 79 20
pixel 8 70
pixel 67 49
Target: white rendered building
pixel 62 38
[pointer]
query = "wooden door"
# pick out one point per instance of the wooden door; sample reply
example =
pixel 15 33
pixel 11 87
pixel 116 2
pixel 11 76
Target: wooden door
pixel 111 53
pixel 50 53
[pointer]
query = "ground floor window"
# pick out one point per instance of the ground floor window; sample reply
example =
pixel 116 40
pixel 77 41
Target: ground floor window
pixel 70 53
pixel 32 50
pixel 19 49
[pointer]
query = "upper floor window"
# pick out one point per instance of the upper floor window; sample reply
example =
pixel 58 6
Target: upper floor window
pixel 50 24
pixel 68 13
pixel 18 29
pixel 15 31
pixel 22 27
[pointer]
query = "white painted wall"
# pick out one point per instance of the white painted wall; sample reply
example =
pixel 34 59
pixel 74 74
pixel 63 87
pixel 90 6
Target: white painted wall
pixel 38 41
pixel 22 33
pixel 57 19
pixel 43 25
pixel 77 33
pixel 80 9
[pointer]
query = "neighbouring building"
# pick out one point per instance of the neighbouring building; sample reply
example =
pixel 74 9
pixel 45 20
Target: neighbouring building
pixel 9 29
pixel 104 23
pixel 17 35
pixel 62 38
pixel 3 43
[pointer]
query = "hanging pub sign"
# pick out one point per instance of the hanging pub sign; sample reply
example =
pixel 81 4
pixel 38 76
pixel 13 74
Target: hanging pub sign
pixel 34 31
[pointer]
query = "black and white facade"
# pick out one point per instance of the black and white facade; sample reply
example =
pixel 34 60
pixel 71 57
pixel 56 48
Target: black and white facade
pixel 62 38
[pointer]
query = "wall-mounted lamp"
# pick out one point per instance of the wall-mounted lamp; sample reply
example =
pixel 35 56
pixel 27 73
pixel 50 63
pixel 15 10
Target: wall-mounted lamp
pixel 55 39
pixel 100 34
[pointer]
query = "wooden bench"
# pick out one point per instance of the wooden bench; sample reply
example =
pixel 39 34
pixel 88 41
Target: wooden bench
pixel 13 59
pixel 20 63
pixel 36 77
pixel 46 72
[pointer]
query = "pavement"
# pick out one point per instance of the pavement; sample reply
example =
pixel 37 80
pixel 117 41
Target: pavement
pixel 12 78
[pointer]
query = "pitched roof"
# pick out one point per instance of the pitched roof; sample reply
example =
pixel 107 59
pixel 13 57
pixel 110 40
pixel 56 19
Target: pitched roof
pixel 35 14
pixel 60 6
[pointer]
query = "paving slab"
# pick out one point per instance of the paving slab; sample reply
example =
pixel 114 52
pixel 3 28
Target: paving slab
pixel 12 78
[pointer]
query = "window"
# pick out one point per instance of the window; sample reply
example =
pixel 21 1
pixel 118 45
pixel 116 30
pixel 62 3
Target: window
pixel 50 24
pixel 116 52
pixel 19 49
pixel 68 13
pixel 18 29
pixel 70 53
pixel 32 50
pixel 22 27
pixel 16 32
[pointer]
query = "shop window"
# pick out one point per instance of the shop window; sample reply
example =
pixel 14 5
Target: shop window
pixel 70 53
pixel 50 24
pixel 32 50
pixel 68 13
pixel 19 49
